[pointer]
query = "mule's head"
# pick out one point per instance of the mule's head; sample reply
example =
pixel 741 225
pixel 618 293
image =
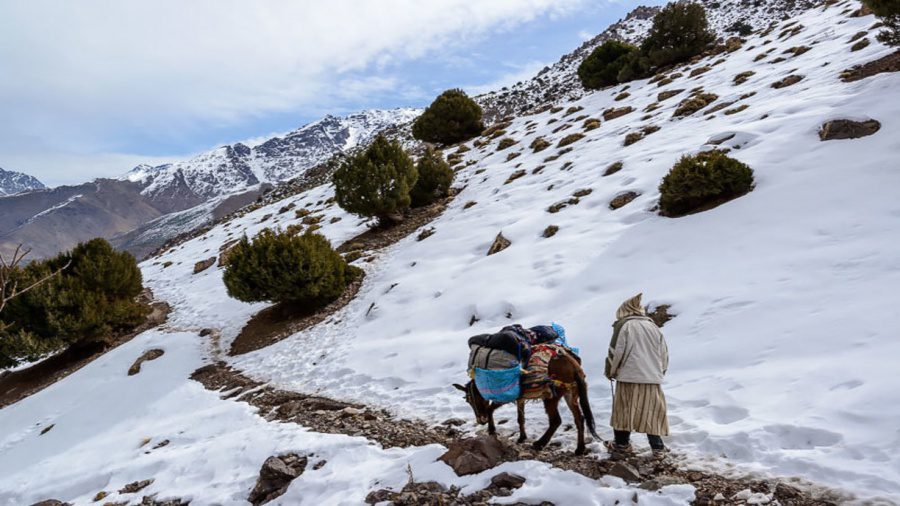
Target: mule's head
pixel 479 404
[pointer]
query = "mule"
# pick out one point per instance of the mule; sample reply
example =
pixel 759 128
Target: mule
pixel 572 386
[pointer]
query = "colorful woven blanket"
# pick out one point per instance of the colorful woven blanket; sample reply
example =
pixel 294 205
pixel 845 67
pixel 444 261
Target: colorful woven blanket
pixel 536 380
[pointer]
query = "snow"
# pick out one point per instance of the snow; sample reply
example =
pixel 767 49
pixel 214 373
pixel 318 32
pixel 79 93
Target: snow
pixel 783 354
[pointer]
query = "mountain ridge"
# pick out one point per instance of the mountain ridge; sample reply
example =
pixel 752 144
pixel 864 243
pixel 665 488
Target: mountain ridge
pixel 13 183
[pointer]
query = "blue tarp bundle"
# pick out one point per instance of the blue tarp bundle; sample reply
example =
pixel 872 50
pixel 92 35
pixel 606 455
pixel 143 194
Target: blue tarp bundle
pixel 500 385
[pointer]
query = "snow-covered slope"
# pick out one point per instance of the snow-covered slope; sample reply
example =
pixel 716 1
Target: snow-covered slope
pixel 559 82
pixel 783 350
pixel 235 167
pixel 12 183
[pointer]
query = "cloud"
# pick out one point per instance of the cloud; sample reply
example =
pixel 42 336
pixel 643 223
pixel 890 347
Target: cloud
pixel 95 76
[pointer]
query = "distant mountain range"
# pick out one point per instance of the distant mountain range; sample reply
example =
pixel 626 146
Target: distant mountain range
pixel 12 183
pixel 209 185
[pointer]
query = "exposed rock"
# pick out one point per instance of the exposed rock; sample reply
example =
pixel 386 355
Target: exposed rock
pixel 591 124
pixel 662 481
pixel 500 244
pixel 743 77
pixel 694 103
pixel 848 129
pixel 153 354
pixel 164 442
pixel 474 455
pixel 275 476
pixel 425 234
pixel 786 492
pixel 515 175
pixel 787 81
pixel 206 332
pixel 613 113
pixel 569 139
pixel 665 95
pixel 539 144
pixel 51 502
pixel 135 486
pixel 623 200
pixel 612 169
pixel 507 480
pixel 550 231
pixel 47 429
pixel 151 500
pixel 889 63
pixel 454 422
pixel 204 264
pixel 625 471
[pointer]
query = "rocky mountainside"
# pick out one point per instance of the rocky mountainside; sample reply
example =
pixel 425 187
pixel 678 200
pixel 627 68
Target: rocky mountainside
pixel 234 167
pixel 12 183
pixel 559 82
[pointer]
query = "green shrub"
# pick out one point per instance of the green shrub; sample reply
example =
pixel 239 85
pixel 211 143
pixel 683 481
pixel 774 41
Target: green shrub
pixel 435 177
pixel 88 302
pixel 452 117
pixel 601 68
pixel 889 12
pixel 702 182
pixel 679 32
pixel 280 267
pixel 376 182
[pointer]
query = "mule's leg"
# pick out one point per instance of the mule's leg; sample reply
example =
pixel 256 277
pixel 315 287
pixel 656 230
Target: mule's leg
pixel 520 407
pixel 551 407
pixel 572 402
pixel 492 429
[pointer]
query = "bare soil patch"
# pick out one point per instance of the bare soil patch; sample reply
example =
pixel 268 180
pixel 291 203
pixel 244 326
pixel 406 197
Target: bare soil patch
pixel 282 320
pixel 17 385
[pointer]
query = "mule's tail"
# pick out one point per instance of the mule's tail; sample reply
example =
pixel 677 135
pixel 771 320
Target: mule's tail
pixel 586 412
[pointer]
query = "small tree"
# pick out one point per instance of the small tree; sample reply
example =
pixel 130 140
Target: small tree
pixel 679 31
pixel 12 283
pixel 889 12
pixel 281 267
pixel 601 68
pixel 435 177
pixel 701 182
pixel 452 117
pixel 86 296
pixel 376 182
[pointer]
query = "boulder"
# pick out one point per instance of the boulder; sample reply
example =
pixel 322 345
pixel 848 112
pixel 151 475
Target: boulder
pixel 500 244
pixel 507 480
pixel 625 471
pixel 474 455
pixel 204 264
pixel 623 200
pixel 148 355
pixel 275 477
pixel 787 81
pixel 848 129
pixel 135 486
pixel 661 481
pixel 51 502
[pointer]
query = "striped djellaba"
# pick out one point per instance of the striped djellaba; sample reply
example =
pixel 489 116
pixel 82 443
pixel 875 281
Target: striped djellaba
pixel 640 407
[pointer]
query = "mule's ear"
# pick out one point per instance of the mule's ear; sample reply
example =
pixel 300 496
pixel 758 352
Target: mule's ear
pixel 459 387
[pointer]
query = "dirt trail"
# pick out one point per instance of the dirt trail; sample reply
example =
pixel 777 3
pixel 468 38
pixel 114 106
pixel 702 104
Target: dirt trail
pixel 322 414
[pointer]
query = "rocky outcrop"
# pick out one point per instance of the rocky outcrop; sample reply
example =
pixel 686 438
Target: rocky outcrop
pixel 848 129
pixel 474 455
pixel 500 243
pixel 623 200
pixel 275 477
pixel 12 183
pixel 147 355
pixel 202 265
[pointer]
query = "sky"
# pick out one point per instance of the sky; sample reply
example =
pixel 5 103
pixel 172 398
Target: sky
pixel 92 88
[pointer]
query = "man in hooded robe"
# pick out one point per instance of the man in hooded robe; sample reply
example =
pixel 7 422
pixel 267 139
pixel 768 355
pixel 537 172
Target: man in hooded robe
pixel 638 360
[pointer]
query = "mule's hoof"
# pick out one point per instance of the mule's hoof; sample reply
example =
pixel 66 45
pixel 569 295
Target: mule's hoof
pixel 580 451
pixel 521 439
pixel 537 446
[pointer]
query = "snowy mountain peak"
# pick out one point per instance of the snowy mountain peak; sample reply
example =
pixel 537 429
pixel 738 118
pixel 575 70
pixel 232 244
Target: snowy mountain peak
pixel 235 167
pixel 12 183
